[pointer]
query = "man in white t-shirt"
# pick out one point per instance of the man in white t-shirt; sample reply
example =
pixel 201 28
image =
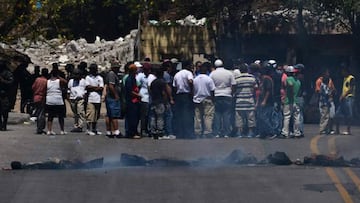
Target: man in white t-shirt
pixel 184 110
pixel 94 86
pixel 142 78
pixel 203 98
pixel 224 87
pixel 76 90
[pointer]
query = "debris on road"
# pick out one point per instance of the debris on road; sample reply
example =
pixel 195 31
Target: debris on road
pixel 279 158
pixel 323 160
pixel 236 157
pixel 58 164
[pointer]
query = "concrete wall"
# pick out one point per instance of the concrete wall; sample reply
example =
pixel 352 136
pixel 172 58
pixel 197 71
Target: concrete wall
pixel 181 42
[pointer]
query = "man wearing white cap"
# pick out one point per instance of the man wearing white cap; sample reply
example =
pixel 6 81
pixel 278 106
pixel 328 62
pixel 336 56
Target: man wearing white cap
pixel 291 108
pixel 224 88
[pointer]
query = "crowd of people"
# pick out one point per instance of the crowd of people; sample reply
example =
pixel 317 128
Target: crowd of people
pixel 263 99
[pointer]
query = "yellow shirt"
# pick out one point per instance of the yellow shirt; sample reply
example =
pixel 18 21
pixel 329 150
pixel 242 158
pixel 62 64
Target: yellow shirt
pixel 346 90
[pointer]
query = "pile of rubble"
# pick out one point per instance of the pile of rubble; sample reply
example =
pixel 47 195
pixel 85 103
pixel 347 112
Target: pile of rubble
pixel 45 52
pixel 189 20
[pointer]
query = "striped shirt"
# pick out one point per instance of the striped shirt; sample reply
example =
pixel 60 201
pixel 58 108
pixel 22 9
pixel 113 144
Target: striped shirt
pixel 245 92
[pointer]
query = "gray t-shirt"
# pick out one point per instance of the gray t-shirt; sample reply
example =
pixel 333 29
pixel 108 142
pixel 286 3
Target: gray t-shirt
pixel 112 78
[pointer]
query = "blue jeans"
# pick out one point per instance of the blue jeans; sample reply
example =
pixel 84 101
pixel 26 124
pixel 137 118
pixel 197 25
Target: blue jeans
pixel 222 117
pixel 301 104
pixel 168 120
pixel 345 109
pixel 132 118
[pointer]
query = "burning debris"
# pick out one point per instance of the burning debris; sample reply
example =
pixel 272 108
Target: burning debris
pixel 322 160
pixel 279 158
pixel 58 164
pixel 236 157
pixel 240 158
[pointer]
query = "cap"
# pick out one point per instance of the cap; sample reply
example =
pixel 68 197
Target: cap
pixel 291 69
pixel 174 60
pixel 257 62
pixel 272 63
pixel 138 64
pixel 218 63
pixel 299 66
pixel 132 67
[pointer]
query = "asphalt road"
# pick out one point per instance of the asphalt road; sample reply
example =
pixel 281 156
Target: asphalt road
pixel 218 183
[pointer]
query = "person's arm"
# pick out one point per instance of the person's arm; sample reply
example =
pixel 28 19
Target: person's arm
pixel 233 84
pixel 191 82
pixel 68 89
pixel 263 103
pixel 91 88
pixel 112 88
pixel 175 84
pixel 130 85
pixel 63 82
pixel 291 93
pixel 318 85
pixel 169 94
pixel 113 91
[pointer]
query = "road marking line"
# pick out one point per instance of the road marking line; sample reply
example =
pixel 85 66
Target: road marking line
pixel 332 146
pixel 344 194
pixel 331 173
pixel 314 146
pixel 349 171
pixel 353 177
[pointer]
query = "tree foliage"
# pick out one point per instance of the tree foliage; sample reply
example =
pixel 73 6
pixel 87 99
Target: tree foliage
pixel 67 18
pixel 111 18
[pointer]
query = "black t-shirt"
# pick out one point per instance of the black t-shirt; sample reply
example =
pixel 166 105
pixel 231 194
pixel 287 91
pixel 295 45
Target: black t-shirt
pixel 277 86
pixel 157 90
pixel 267 85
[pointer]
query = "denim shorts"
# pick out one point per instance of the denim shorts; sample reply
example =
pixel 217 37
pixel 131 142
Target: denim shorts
pixel 113 109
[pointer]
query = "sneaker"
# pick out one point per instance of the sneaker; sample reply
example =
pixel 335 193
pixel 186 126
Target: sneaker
pixel 283 136
pixel 91 133
pixel 323 132
pixel 111 136
pixel 332 132
pixel 41 132
pixel 63 133
pixel 217 136
pixel 33 119
pixel 226 136
pixel 164 137
pixel 119 136
pixel 345 133
pixel 51 133
pixel 97 132
pixel 172 137
pixel 273 136
pixel 137 137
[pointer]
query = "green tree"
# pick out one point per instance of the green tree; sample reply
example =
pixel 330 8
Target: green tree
pixel 69 18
